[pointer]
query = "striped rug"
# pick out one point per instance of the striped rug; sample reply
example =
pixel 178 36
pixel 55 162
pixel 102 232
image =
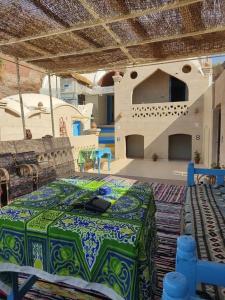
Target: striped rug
pixel 168 220
pixel 169 193
pixel 206 206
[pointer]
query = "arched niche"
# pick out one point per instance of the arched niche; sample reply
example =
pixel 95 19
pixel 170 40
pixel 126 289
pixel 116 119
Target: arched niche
pixel 180 147
pixel 160 87
pixel 107 79
pixel 135 146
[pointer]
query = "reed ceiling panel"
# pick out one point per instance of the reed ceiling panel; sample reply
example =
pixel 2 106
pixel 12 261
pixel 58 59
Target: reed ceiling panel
pixel 84 34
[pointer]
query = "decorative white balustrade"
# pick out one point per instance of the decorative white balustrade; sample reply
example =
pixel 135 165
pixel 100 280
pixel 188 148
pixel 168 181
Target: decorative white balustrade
pixel 159 110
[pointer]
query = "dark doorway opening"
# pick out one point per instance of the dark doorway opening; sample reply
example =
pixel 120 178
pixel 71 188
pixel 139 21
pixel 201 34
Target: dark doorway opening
pixel 81 99
pixel 3 195
pixel 135 146
pixel 178 90
pixel 180 147
pixel 218 134
pixel 110 109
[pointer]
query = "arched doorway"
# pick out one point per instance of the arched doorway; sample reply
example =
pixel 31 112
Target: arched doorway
pixel 178 90
pixel 107 79
pixel 104 82
pixel 180 147
pixel 135 146
pixel 160 87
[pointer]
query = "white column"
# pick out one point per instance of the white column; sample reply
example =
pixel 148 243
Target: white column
pixel 51 105
pixel 21 98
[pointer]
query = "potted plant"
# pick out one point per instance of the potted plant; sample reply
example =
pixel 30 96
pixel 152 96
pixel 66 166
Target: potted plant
pixel 197 157
pixel 215 165
pixel 155 157
pixel 93 124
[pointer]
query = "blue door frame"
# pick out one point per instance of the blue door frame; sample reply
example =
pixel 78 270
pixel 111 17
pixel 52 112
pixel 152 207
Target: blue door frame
pixel 76 128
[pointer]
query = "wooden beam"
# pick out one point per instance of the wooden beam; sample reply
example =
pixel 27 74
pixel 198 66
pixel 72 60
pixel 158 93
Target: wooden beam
pixel 139 63
pixel 29 45
pixel 62 22
pixel 146 41
pixel 50 14
pixel 106 27
pixel 134 14
pixel 118 41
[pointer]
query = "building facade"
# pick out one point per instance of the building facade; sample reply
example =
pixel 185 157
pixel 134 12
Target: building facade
pixel 38 117
pixel 170 110
pixel 164 109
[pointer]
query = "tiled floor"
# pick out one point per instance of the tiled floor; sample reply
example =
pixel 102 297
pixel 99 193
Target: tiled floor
pixel 161 169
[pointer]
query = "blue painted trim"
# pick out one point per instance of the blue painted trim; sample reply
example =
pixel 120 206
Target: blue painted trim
pixel 220 174
pixel 107 129
pixel 106 140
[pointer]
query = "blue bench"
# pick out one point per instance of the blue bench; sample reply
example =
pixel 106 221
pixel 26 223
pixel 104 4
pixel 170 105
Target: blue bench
pixel 218 173
pixel 190 271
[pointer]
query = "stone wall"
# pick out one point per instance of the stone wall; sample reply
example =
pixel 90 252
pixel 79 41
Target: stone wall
pixel 30 79
pixel 56 152
pixel 62 152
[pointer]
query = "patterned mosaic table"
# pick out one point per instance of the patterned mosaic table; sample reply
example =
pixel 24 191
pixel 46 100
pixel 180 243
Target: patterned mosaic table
pixel 113 253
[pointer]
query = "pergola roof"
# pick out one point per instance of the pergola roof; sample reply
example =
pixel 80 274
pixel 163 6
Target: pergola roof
pixel 84 35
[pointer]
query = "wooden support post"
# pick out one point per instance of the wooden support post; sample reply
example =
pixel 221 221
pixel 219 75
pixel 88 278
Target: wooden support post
pixel 56 86
pixel 51 104
pixel 21 98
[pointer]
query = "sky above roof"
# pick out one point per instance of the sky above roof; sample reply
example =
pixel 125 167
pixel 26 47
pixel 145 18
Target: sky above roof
pixel 218 59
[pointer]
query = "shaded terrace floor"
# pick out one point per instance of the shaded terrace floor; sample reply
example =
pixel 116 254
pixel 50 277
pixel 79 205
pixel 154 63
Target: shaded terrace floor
pixel 160 171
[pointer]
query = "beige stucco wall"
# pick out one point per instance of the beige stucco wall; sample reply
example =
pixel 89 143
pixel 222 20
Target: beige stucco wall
pixel 220 100
pixel 39 123
pixel 10 126
pixel 99 108
pixel 154 89
pixel 208 127
pixel 157 129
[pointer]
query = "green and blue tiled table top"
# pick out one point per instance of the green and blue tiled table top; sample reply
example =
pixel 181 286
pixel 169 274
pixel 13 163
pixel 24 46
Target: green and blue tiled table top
pixel 115 249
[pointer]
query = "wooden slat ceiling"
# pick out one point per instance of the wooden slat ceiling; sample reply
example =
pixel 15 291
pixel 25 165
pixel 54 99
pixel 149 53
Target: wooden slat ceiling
pixel 83 35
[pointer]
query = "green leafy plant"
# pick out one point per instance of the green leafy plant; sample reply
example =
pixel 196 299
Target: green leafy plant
pixel 197 157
